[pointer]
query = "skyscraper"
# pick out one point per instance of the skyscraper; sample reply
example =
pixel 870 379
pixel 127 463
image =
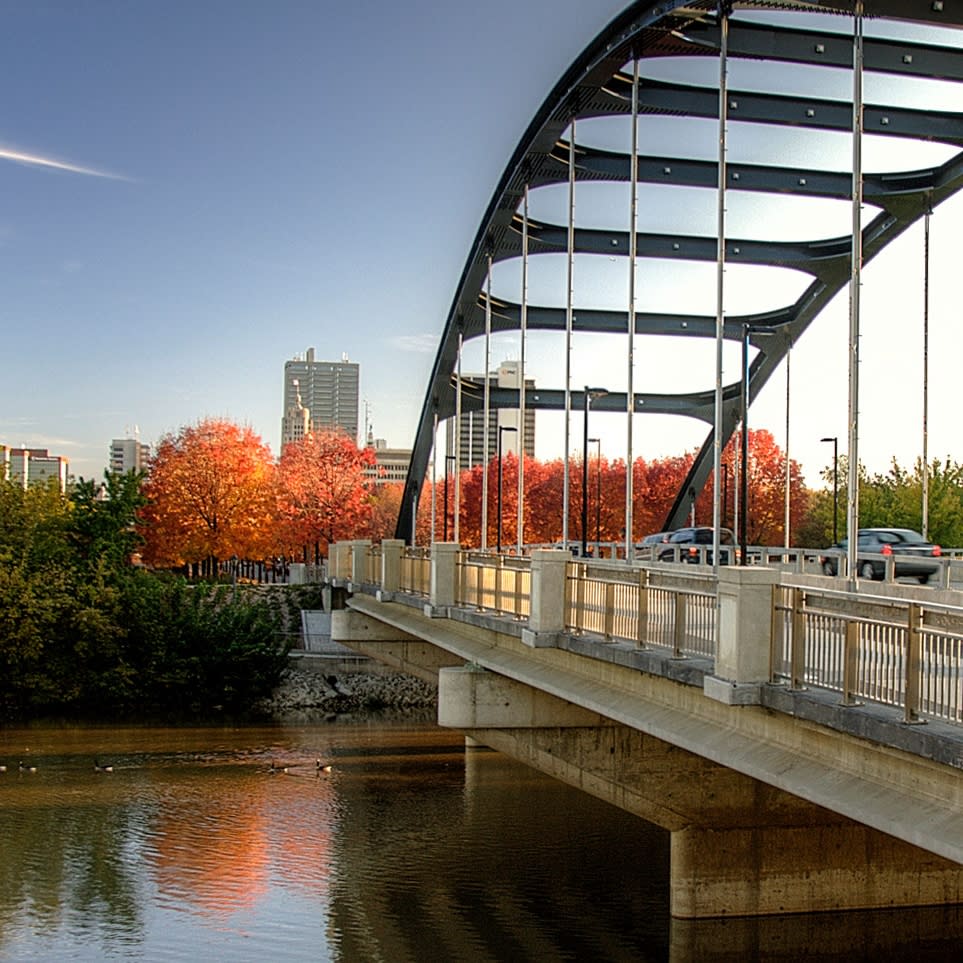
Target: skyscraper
pixel 472 434
pixel 128 454
pixel 328 390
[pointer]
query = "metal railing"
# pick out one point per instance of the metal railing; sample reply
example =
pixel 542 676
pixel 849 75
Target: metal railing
pixel 415 577
pixel 904 654
pixel 901 652
pixel 373 564
pixel 638 605
pixel 496 583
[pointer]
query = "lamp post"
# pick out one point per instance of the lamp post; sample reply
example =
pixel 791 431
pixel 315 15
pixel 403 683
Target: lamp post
pixel 498 524
pixel 726 468
pixel 835 441
pixel 590 395
pixel 448 458
pixel 598 491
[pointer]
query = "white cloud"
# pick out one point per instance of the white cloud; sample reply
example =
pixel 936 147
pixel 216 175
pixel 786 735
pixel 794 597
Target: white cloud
pixel 418 343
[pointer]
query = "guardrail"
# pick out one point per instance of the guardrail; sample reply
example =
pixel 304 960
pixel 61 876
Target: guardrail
pixel 634 604
pixel 905 654
pixel 497 583
pixel 416 571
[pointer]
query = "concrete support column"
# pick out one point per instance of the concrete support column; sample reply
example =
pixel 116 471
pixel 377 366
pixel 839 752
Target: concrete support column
pixel 444 578
pixel 547 616
pixel 767 870
pixel 743 647
pixel 391 549
pixel 470 697
pixel 359 560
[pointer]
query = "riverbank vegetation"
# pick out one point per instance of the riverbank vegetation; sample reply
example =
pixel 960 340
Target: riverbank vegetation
pixel 84 632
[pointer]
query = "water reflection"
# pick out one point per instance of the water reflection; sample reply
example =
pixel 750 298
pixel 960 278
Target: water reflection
pixel 408 848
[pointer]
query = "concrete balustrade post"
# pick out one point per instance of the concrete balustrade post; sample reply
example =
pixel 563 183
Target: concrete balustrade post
pixel 391 549
pixel 444 574
pixel 359 560
pixel 547 609
pixel 338 558
pixel 744 628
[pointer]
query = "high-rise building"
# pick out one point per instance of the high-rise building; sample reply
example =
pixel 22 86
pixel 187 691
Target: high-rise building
pixel 33 466
pixel 128 454
pixel 391 464
pixel 471 446
pixel 329 390
pixel 296 422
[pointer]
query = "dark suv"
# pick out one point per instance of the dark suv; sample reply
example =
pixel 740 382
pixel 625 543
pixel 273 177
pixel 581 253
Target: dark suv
pixel 912 555
pixel 695 545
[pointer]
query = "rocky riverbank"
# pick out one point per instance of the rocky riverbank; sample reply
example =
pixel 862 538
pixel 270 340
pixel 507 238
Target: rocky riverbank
pixel 304 689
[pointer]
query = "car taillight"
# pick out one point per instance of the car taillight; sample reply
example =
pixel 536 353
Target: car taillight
pixel 693 551
pixel 936 551
pixel 886 550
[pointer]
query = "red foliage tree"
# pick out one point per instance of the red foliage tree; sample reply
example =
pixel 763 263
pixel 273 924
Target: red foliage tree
pixel 324 493
pixel 210 491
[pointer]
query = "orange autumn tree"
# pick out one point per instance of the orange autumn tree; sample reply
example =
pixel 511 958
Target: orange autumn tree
pixel 210 491
pixel 324 495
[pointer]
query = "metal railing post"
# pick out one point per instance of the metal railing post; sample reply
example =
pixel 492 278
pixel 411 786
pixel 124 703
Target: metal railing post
pixel 642 624
pixel 914 633
pixel 798 647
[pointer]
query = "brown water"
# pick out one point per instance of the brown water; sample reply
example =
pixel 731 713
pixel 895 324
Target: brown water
pixel 408 849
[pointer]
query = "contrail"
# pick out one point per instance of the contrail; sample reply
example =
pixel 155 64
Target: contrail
pixel 34 160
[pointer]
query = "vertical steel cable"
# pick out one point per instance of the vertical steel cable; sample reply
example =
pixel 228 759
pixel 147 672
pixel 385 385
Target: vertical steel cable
pixel 852 509
pixel 486 404
pixel 926 370
pixel 521 376
pixel 724 10
pixel 569 317
pixel 633 252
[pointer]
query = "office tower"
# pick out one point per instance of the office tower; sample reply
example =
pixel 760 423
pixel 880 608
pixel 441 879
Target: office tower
pixel 128 454
pixel 296 422
pixel 33 466
pixel 472 440
pixel 329 390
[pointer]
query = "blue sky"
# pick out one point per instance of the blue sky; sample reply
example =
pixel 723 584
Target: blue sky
pixel 259 178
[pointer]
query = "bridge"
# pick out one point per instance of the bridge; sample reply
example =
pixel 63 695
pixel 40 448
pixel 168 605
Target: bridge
pixel 800 737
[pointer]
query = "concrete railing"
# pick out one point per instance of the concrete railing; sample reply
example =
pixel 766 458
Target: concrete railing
pixel 755 623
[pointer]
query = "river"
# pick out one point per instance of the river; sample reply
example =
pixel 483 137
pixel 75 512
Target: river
pixel 229 843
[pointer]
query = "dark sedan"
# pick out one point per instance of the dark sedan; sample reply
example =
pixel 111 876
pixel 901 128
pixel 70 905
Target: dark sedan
pixel 695 545
pixel 913 556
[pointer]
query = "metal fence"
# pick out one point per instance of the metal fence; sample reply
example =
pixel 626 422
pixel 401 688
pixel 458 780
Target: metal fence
pixel 416 571
pixel 904 654
pixel 496 583
pixel 634 604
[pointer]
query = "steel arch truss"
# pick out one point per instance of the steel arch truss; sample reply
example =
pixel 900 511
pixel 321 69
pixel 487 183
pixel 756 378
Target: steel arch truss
pixel 598 85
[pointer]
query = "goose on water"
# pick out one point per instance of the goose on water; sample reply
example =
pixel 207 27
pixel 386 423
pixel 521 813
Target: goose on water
pixel 99 768
pixel 24 768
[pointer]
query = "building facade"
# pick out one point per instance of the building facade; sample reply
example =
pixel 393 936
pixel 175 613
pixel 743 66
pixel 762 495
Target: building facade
pixel 328 390
pixel 33 466
pixel 128 454
pixel 391 464
pixel 471 437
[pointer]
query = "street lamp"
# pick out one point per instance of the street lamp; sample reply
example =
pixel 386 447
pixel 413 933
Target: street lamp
pixel 498 538
pixel 590 395
pixel 598 491
pixel 448 458
pixel 835 441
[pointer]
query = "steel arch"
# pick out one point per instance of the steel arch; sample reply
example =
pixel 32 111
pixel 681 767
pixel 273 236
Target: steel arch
pixel 596 86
